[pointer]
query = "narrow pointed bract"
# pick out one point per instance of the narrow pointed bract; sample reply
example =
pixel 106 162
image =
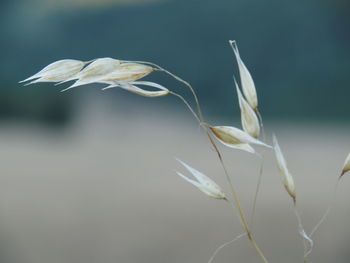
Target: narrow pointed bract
pixel 203 183
pixel 284 172
pixel 94 72
pixel 250 122
pixel 130 86
pixel 233 136
pixel 129 72
pixel 247 82
pixel 57 71
pixel 99 67
pixel 243 146
pixel 346 166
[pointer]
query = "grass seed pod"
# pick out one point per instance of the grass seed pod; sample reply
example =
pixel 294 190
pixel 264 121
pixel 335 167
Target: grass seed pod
pixel 250 122
pixel 57 71
pixel 233 136
pixel 203 183
pixel 129 72
pixel 284 172
pixel 247 82
pixel 109 71
pixel 94 72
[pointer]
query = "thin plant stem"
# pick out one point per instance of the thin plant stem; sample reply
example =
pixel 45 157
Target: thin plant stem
pixel 238 204
pixel 306 239
pixel 261 170
pixel 224 245
pixel 187 104
pixel 178 79
pixel 324 216
pixel 228 178
pixel 257 190
pixel 328 210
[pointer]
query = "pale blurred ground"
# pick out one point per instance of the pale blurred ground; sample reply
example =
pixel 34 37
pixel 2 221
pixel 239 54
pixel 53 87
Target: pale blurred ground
pixel 104 190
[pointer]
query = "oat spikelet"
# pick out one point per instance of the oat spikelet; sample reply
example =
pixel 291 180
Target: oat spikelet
pixel 57 71
pixel 284 172
pixel 346 166
pixel 203 183
pixel 250 122
pixel 108 71
pixel 94 71
pixel 235 138
pixel 247 82
pixel 129 72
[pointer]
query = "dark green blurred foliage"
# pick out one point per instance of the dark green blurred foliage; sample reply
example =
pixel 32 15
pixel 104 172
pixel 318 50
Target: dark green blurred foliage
pixel 297 51
pixel 38 104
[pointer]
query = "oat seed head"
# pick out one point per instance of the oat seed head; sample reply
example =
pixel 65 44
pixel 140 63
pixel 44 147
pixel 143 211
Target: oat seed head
pixel 247 82
pixel 235 138
pixel 250 122
pixel 284 172
pixel 203 183
pixel 57 71
pixel 94 72
pixel 129 72
pixel 110 71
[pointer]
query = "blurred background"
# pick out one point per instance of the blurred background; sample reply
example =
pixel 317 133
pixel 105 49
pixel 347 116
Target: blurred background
pixel 88 176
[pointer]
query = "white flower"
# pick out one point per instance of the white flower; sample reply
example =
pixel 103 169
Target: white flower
pixel 203 183
pixel 250 122
pixel 284 172
pixel 57 71
pixel 247 82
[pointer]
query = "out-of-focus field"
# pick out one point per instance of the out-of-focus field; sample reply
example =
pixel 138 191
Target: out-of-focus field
pixel 104 190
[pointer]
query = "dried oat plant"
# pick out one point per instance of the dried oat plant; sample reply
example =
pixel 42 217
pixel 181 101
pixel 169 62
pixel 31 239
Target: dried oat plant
pixel 127 75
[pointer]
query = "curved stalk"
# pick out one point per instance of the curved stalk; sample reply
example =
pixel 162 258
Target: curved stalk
pixel 188 106
pixel 178 79
pixel 199 118
pixel 237 202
